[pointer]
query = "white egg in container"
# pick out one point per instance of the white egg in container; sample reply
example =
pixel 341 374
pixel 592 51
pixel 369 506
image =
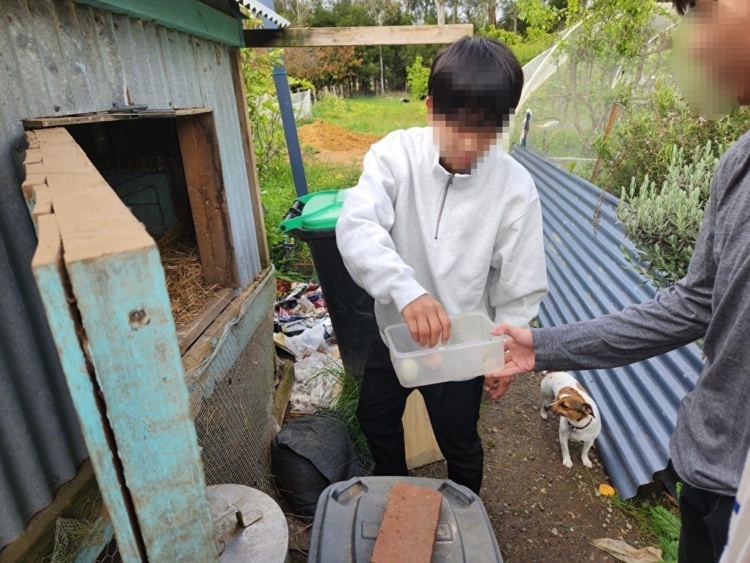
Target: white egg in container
pixel 472 351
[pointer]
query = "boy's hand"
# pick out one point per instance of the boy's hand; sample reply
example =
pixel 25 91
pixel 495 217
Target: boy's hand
pixel 427 321
pixel 497 386
pixel 519 350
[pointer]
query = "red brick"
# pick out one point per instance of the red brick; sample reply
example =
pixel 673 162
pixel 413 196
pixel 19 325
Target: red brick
pixel 407 534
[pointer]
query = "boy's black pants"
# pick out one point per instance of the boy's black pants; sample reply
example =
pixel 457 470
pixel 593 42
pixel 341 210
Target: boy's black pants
pixel 705 525
pixel 453 409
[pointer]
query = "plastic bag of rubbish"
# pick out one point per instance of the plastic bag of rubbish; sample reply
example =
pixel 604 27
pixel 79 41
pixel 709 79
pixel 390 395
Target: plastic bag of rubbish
pixel 310 454
pixel 315 381
pixel 310 341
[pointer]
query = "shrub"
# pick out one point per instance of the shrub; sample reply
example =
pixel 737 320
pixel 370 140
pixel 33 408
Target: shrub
pixel 263 107
pixel 643 138
pixel 524 48
pixel 300 84
pixel 417 76
pixel 664 220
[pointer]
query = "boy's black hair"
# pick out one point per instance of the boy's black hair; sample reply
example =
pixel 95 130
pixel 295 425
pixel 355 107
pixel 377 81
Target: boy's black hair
pixel 475 82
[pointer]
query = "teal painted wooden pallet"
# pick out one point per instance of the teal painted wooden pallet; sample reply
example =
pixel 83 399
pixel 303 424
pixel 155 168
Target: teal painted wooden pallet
pixel 105 297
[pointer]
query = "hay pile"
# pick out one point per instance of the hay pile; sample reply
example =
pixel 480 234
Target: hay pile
pixel 188 291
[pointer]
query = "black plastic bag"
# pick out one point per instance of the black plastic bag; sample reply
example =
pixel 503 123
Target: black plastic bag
pixel 308 455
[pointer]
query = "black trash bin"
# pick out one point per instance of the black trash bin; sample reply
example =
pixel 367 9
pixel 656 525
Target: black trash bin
pixel 313 219
pixel 349 515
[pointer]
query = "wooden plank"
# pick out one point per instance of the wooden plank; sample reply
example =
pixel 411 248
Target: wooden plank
pixel 191 16
pixel 51 279
pixel 199 147
pixel 186 112
pixel 190 333
pixel 104 117
pixel 246 131
pixel 83 119
pixel 357 36
pixel 421 446
pixel 206 342
pixel 283 393
pixel 41 203
pixel 118 283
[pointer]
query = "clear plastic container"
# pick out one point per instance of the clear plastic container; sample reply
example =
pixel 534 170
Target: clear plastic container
pixel 471 351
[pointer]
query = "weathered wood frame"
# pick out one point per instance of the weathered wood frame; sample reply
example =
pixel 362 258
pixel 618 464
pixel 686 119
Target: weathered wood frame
pixel 199 149
pixel 104 294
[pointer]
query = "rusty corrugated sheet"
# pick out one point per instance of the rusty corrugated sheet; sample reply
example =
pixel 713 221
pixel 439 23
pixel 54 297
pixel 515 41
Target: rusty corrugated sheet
pixel 57 58
pixel 589 276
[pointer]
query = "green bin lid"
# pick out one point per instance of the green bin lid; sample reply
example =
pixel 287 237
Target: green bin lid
pixel 319 212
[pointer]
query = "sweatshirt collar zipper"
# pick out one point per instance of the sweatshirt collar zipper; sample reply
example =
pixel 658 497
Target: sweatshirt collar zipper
pixel 448 185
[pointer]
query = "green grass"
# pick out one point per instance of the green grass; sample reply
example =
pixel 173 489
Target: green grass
pixel 277 192
pixel 345 406
pixel 372 115
pixel 657 522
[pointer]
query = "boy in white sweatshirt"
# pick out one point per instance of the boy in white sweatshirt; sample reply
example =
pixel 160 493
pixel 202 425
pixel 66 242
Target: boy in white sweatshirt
pixel 443 222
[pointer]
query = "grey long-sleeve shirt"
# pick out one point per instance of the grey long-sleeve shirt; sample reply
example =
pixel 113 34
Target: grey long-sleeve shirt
pixel 712 436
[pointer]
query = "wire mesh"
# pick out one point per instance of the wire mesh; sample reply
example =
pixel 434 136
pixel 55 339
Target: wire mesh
pixel 231 395
pixel 88 531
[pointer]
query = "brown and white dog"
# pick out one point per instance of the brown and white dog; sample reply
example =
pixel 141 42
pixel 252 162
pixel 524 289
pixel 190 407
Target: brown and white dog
pixel 579 415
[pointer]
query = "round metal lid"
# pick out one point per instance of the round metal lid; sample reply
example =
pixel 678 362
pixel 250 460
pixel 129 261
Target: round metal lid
pixel 248 525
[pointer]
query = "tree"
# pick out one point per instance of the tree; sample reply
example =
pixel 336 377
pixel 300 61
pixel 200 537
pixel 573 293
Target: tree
pixel 613 41
pixel 440 7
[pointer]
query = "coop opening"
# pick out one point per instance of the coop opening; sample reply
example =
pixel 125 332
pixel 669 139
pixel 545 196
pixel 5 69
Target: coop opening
pixel 166 169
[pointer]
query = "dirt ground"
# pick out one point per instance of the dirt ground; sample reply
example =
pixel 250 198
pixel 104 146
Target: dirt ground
pixel 540 510
pixel 335 145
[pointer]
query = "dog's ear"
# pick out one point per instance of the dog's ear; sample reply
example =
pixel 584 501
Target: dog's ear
pixel 586 409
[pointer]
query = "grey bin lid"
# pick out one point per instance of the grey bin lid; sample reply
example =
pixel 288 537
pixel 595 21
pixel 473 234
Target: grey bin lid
pixel 248 525
pixel 349 515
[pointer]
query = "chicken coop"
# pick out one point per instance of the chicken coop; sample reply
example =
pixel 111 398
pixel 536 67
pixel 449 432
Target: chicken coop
pixel 137 359
pixel 137 292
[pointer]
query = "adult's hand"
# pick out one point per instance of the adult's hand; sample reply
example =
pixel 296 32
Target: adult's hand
pixel 427 321
pixel 519 350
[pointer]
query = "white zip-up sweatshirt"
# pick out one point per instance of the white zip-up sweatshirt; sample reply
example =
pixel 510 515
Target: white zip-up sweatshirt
pixel 473 242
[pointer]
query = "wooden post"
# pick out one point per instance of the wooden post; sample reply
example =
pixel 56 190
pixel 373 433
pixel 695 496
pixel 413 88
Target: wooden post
pixel 240 96
pixel 610 124
pixel 136 410
pixel 421 446
pixel 199 146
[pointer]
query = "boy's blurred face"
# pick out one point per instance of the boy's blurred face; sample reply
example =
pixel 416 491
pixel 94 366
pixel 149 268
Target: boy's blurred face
pixel 460 147
pixel 718 34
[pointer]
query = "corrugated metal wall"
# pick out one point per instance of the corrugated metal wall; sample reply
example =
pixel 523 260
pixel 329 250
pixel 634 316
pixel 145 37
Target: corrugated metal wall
pixel 589 276
pixel 58 58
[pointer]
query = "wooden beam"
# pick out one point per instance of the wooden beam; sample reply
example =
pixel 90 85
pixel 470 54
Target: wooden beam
pixel 283 392
pixel 105 117
pixel 188 334
pixel 199 147
pixel 246 131
pixel 204 345
pixel 357 36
